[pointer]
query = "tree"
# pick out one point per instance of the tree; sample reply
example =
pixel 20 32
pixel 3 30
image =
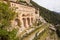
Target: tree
pixel 6 15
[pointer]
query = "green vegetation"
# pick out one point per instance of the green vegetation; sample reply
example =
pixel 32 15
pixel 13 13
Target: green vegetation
pixel 26 36
pixel 50 16
pixel 6 15
pixel 42 35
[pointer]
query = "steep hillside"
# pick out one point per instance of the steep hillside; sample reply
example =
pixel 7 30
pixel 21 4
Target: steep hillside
pixel 49 16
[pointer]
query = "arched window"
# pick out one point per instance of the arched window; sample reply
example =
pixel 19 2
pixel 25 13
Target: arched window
pixel 24 22
pixel 28 20
pixel 18 22
pixel 31 20
pixel 23 15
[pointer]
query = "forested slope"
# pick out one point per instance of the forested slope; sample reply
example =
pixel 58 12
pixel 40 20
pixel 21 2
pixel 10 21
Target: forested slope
pixel 49 16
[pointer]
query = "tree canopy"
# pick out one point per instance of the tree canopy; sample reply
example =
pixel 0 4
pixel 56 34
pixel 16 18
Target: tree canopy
pixel 6 15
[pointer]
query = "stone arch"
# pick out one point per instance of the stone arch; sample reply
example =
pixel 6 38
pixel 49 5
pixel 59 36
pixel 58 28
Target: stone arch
pixel 31 20
pixel 18 22
pixel 23 15
pixel 24 22
pixel 28 20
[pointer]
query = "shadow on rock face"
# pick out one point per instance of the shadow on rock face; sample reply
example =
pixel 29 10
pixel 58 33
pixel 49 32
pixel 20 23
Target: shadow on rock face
pixel 58 32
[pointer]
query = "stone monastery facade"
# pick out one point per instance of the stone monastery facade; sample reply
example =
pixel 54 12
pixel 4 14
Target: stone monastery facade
pixel 27 13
